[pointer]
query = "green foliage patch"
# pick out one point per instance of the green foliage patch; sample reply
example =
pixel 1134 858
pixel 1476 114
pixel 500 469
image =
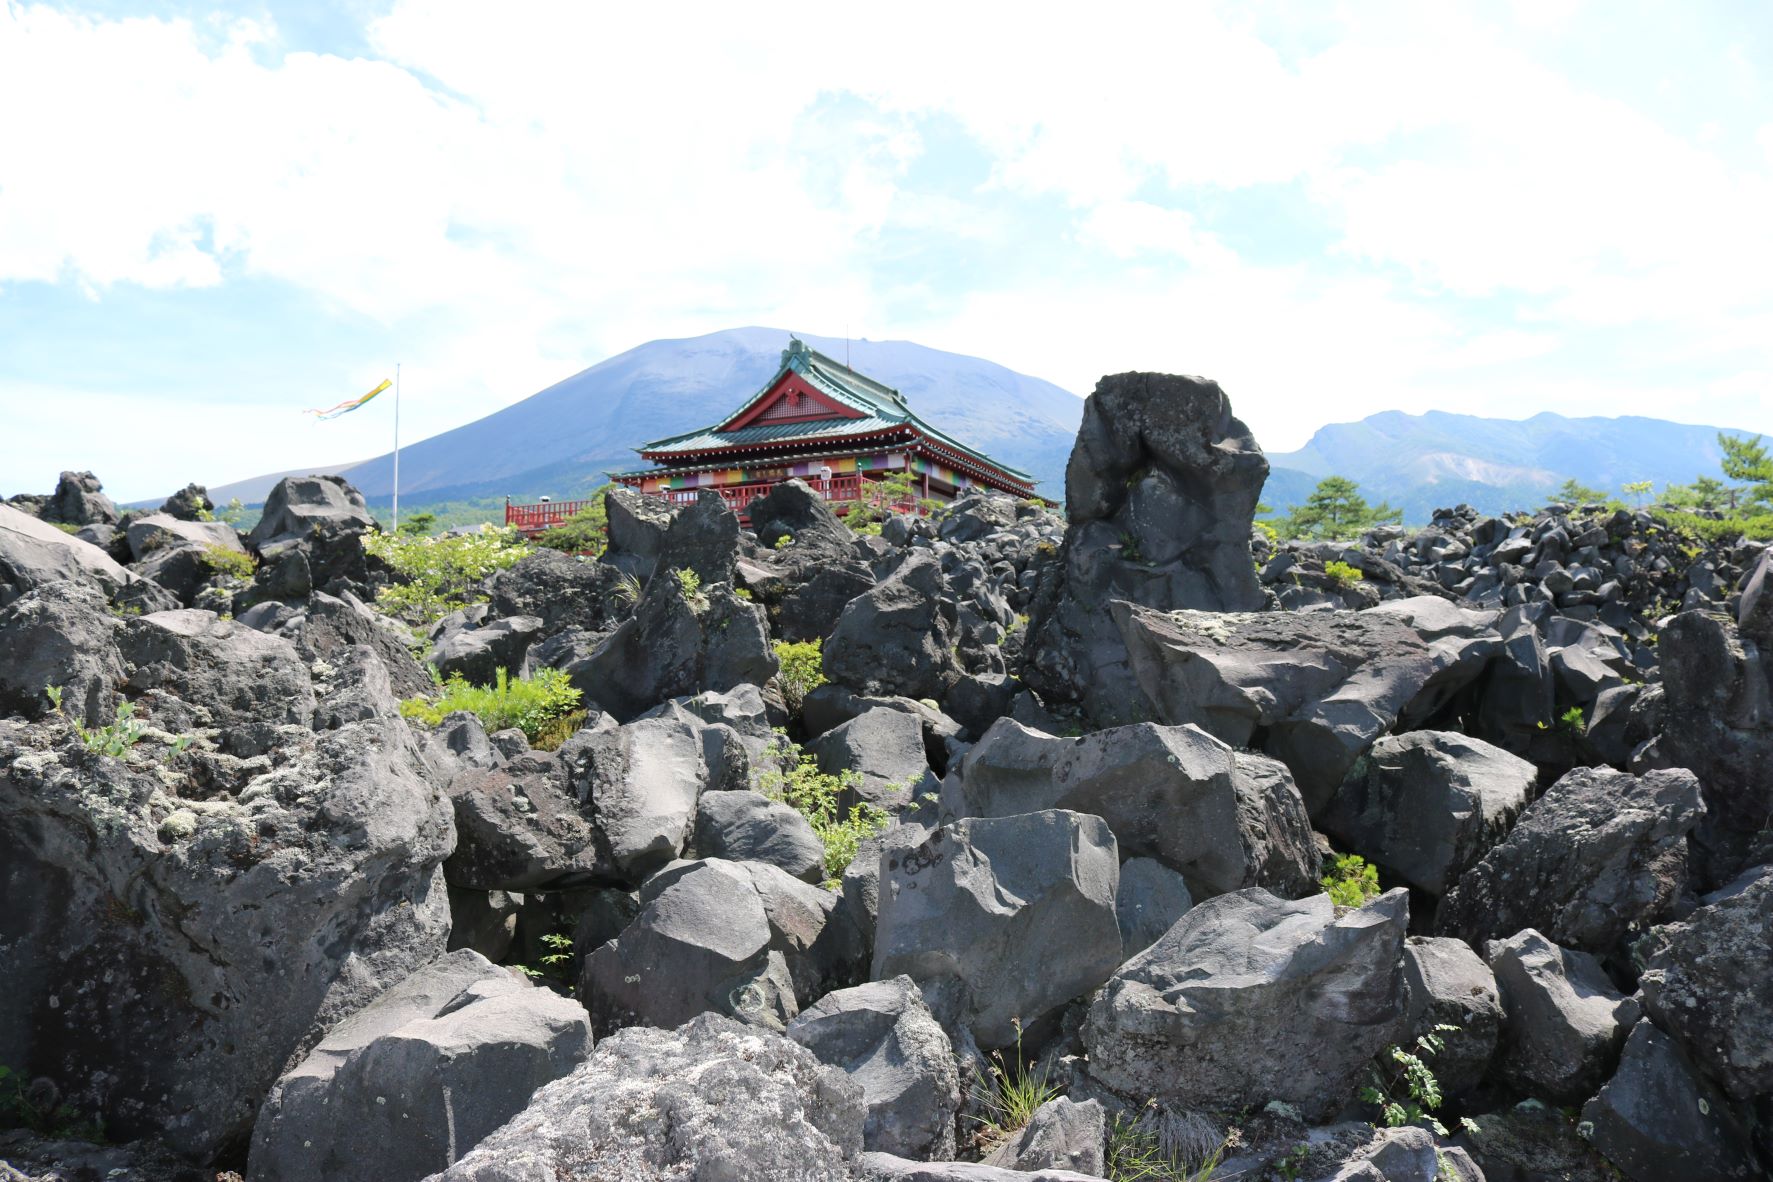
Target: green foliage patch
pixel 1403 1086
pixel 792 776
pixel 1335 511
pixel 440 574
pixel 1347 574
pixel 21 1107
pixel 221 560
pixel 802 669
pixel 542 707
pixel 1350 880
pixel 585 532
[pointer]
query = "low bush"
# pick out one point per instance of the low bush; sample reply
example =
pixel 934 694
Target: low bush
pixel 802 669
pixel 585 532
pixel 543 707
pixel 1349 880
pixel 440 574
pixel 223 561
pixel 792 776
pixel 1347 574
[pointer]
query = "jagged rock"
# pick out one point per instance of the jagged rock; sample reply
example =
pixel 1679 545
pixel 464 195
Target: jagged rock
pixel 1563 1021
pixel 1519 695
pixel 1429 804
pixel 741 709
pixel 1018 909
pixel 561 591
pixel 1532 1142
pixel 1320 686
pixel 676 645
pixel 883 1037
pixel 27 1157
pixel 885 747
pixel 79 499
pixel 743 826
pixel 1150 900
pixel 1657 1120
pixel 702 538
pixel 198 670
pixel 1600 855
pixel 424 1073
pixel 637 525
pixel 1062 1134
pixel 61 635
pixel 814 605
pixel 1224 819
pixel 1706 982
pixel 483 921
pixel 896 638
pixel 641 782
pixel 831 705
pixel 1718 723
pixel 33 552
pixel 1462 642
pixel 160 531
pixel 1251 998
pixel 296 505
pixel 325 627
pixel 166 956
pixel 190 503
pixel 712 1099
pixel 1449 985
pixel 519 827
pixel 889 1167
pixel 1754 612
pixel 791 509
pixel 1160 493
pixel 479 653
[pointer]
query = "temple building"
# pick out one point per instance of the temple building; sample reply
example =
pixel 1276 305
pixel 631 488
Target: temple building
pixel 828 425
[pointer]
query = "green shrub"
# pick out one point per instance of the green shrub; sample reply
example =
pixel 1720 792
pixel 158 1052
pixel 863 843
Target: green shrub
pixel 689 580
pixel 1137 1152
pixel 1573 721
pixel 67 527
pixel 1404 1087
pixel 802 669
pixel 1756 526
pixel 542 706
pixel 1344 573
pixel 1349 880
pixel 117 737
pixel 21 1108
pixel 232 563
pixel 1010 1093
pixel 792 776
pixel 439 575
pixel 585 532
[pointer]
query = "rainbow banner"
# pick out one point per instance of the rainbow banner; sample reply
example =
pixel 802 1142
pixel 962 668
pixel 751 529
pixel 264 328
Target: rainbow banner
pixel 349 405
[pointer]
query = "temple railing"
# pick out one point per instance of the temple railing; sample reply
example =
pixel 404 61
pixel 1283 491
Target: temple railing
pixel 843 492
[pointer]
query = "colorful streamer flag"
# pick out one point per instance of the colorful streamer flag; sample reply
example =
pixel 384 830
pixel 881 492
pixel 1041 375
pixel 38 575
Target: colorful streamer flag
pixel 349 405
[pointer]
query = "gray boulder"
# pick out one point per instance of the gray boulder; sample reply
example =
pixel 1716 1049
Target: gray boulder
pixel 637 525
pixel 883 1037
pixel 483 921
pixel 897 638
pixel 190 503
pixel 1160 492
pixel 172 945
pixel 1564 1022
pixel 885 748
pixel 296 505
pixel 1320 686
pixel 1150 900
pixel 519 827
pixel 1601 855
pixel 1450 985
pixel 152 532
pixel 422 1074
pixel 560 590
pixel 477 654
pixel 34 552
pixel 1018 909
pixel 1532 1142
pixel 791 509
pixel 79 499
pixel 1251 998
pixel 743 826
pixel 889 1167
pixel 1706 981
pixel 1224 819
pixel 703 538
pixel 61 635
pixel 1062 1134
pixel 195 670
pixel 1429 804
pixel 710 1100
pixel 1656 1120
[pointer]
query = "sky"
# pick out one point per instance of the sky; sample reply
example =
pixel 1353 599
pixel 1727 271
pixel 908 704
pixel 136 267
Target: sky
pixel 213 217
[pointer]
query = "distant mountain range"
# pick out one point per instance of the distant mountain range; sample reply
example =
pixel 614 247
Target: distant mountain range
pixel 563 440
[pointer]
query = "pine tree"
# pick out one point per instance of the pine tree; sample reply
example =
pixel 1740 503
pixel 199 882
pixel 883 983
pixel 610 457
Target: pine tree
pixel 1335 510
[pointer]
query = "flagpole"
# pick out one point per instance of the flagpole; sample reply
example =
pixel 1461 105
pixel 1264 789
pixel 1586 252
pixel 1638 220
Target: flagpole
pixel 397 447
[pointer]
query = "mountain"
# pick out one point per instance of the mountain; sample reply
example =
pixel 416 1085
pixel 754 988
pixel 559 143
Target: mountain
pixel 1423 462
pixel 562 440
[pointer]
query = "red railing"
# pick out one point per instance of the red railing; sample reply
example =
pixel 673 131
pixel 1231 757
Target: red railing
pixel 842 491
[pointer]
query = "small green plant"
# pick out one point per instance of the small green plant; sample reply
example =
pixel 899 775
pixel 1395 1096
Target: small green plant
pixel 67 527
pixel 1404 1087
pixel 689 581
pixel 1010 1093
pixel 792 776
pixel 1349 880
pixel 785 541
pixel 440 574
pixel 1267 531
pixel 1573 721
pixel 1129 548
pixel 1289 1164
pixel 556 963
pixel 1137 1153
pixel 23 1106
pixel 540 706
pixel 626 592
pixel 1343 573
pixel 585 532
pixel 232 563
pixel 116 737
pixel 1638 490
pixel 802 669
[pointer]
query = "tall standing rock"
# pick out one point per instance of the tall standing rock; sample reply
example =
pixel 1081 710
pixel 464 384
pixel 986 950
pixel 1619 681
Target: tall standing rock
pixel 1160 494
